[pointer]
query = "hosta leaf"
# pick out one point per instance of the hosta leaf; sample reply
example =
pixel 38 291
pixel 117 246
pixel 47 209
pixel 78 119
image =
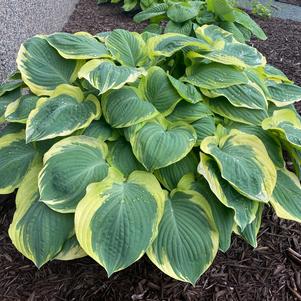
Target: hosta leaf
pixel 159 144
pixel 128 48
pixel 230 52
pixel 69 167
pixel 170 176
pixel 10 86
pixel 182 28
pixel 204 127
pixel 153 11
pixel 38 232
pixel 275 74
pixel 214 76
pixel 244 163
pixel 105 75
pixel 244 95
pixel 158 90
pixel 245 20
pixel 169 43
pixel 186 90
pixel 63 113
pixel 126 107
pixel 121 157
pixel 223 107
pixel 188 112
pixel 183 11
pixel 117 219
pixel 99 129
pixel 245 209
pixel 221 8
pixel 71 250
pixel 271 144
pixel 231 27
pixel 6 99
pixel 42 68
pixel 16 158
pixel 222 215
pixel 77 46
pixel 286 198
pixel 249 234
pixel 284 94
pixel 19 110
pixel 187 240
pixel 286 123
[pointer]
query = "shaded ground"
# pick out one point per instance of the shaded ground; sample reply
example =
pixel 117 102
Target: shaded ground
pixel 271 272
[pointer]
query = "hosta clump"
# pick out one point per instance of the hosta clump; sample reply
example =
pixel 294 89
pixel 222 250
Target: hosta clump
pixel 183 16
pixel 122 144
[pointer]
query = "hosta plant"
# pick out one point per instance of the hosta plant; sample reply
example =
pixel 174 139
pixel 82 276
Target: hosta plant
pixel 183 16
pixel 124 144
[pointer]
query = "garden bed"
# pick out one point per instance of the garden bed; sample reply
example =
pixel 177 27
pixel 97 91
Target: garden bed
pixel 270 272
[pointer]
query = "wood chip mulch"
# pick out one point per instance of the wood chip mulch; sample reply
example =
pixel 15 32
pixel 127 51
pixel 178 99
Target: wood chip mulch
pixel 271 272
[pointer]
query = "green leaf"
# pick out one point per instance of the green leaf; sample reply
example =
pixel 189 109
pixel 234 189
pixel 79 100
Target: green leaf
pixel 204 127
pixel 244 95
pixel 271 144
pixel 69 167
pixel 121 157
pixel 223 107
pixel 38 232
pixel 221 8
pixel 157 144
pixel 153 11
pixel 187 240
pixel 244 163
pixel 186 90
pixel 128 48
pixel 284 94
pixel 158 90
pixel 42 68
pixel 125 107
pixel 249 234
pixel 222 215
pixel 16 158
pixel 71 250
pixel 286 196
pixel 79 46
pixel 214 76
pixel 183 11
pixel 10 86
pixel 117 220
pixel 245 20
pixel 63 113
pixel 170 176
pixel 19 110
pixel 245 209
pixel 6 99
pixel 99 129
pixel 182 28
pixel 286 124
pixel 188 112
pixel 104 75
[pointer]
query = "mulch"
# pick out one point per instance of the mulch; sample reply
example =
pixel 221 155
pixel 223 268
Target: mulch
pixel 271 272
pixel 293 2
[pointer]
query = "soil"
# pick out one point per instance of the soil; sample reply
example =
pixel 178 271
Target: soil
pixel 271 272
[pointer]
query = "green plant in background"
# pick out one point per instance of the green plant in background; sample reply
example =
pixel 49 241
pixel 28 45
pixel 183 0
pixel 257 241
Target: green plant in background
pixel 182 16
pixel 124 144
pixel 260 9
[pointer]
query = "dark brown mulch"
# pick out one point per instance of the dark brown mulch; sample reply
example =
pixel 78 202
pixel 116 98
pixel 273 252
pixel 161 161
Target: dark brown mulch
pixel 282 48
pixel 271 272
